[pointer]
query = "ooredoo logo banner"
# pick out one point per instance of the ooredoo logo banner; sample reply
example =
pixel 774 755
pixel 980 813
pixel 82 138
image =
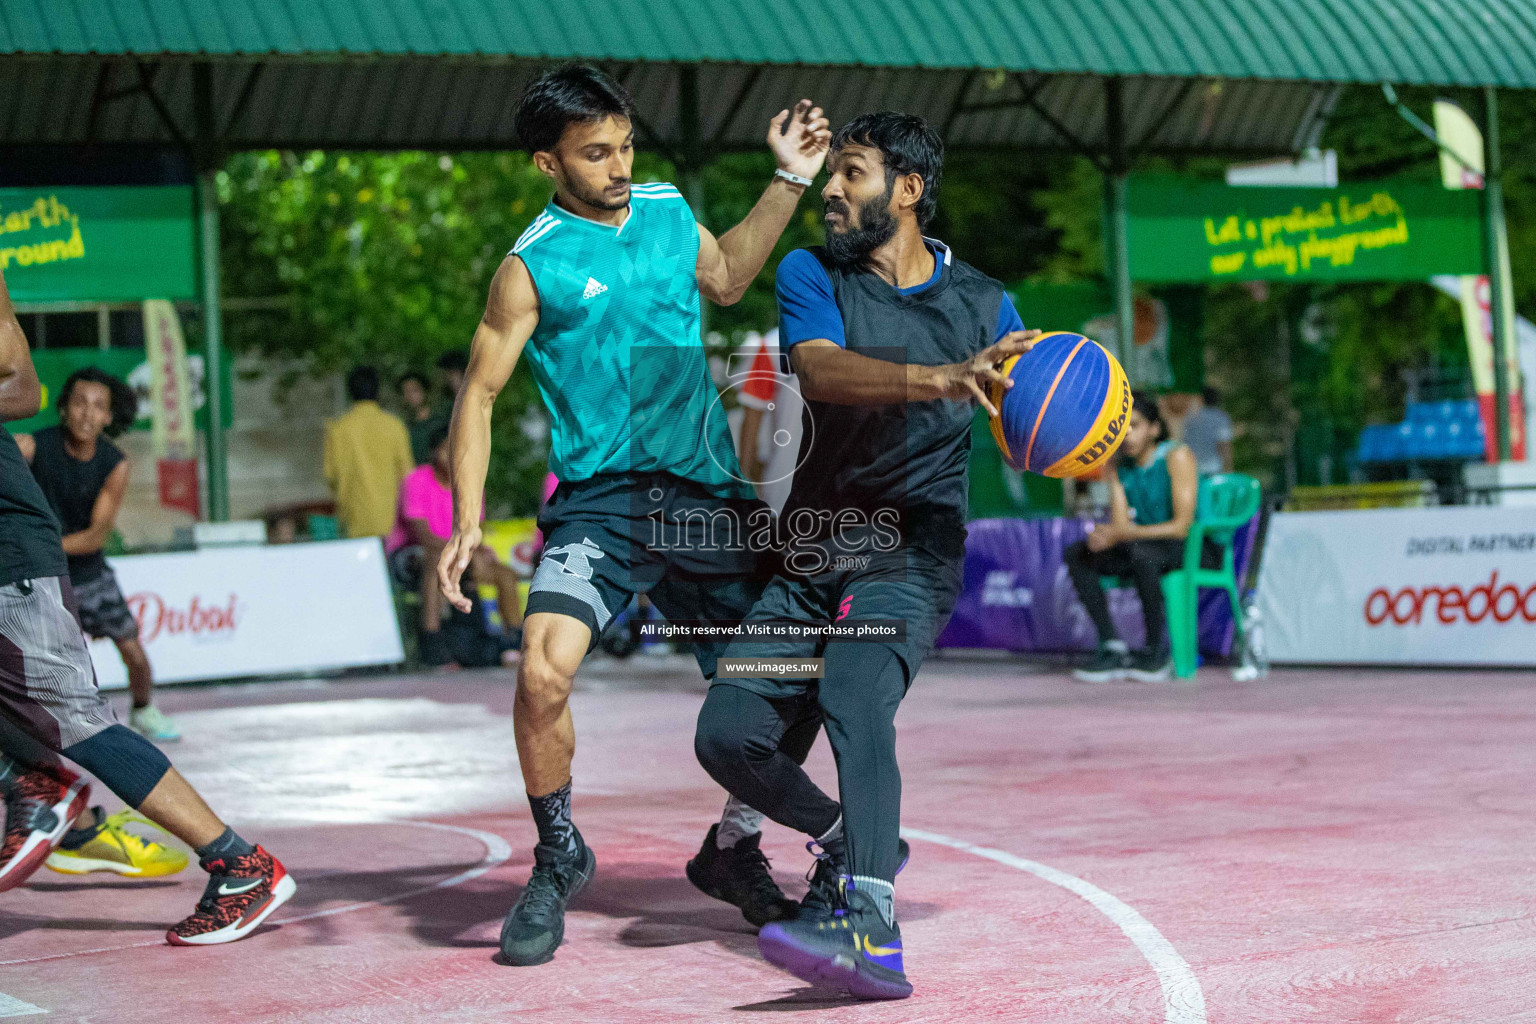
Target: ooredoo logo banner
pixel 1439 586
pixel 1492 601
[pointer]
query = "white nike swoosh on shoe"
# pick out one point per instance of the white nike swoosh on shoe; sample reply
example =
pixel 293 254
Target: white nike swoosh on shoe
pixel 225 890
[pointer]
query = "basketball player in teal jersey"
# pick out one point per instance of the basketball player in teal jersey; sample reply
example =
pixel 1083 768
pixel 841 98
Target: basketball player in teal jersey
pixel 602 294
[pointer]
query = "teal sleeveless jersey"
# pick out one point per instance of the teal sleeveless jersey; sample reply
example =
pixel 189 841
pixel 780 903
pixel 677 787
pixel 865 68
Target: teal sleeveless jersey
pixel 617 354
pixel 1149 488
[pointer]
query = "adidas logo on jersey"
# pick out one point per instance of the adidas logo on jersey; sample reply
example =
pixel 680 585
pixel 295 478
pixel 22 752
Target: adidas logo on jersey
pixel 594 287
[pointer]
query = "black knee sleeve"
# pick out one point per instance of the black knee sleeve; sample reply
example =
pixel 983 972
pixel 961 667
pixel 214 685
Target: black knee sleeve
pixel 129 764
pixel 717 742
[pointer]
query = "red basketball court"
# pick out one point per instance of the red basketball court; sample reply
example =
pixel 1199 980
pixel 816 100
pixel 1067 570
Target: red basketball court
pixel 1318 846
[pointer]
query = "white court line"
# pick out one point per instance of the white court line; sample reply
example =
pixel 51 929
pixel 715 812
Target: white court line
pixel 497 850
pixel 10 1006
pixel 1183 1001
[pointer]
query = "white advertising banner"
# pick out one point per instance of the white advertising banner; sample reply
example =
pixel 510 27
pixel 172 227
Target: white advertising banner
pixel 1423 586
pixel 221 613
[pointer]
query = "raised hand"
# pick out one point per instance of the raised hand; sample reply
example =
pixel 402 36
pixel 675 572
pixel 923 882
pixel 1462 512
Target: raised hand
pixel 800 139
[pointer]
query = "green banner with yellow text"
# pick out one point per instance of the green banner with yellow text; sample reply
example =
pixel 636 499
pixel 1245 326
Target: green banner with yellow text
pixel 108 244
pixel 1188 230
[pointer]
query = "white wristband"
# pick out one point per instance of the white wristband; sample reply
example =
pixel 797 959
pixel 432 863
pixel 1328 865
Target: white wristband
pixel 793 179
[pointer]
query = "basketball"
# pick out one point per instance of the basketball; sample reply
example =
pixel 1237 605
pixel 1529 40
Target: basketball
pixel 1066 412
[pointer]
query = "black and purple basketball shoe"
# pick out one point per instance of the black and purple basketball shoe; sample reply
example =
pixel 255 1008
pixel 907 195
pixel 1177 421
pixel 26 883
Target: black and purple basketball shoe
pixel 854 951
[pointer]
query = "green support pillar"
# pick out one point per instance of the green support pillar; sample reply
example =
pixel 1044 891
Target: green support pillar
pixel 1117 264
pixel 205 156
pixel 213 348
pixel 1496 247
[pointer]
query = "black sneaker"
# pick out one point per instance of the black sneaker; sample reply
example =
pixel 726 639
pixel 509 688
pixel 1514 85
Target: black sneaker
pixel 432 649
pixel 1151 666
pixel 535 925
pixel 824 898
pixel 854 952
pixel 739 876
pixel 1108 665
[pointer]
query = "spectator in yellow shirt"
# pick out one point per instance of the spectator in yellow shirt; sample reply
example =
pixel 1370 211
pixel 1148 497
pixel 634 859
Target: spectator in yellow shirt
pixel 367 455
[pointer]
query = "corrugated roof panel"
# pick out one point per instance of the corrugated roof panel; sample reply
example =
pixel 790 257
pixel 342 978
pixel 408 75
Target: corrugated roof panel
pixel 1414 41
pixel 443 103
pixel 1481 27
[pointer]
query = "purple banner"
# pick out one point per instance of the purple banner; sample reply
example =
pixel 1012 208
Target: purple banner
pixel 1018 596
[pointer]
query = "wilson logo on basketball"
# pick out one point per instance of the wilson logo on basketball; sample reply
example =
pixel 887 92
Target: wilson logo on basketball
pixel 1111 430
pixel 1449 605
pixel 201 621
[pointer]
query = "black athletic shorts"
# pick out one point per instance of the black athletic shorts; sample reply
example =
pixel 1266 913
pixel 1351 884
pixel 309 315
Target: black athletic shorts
pixel 912 585
pixel 611 537
pixel 103 610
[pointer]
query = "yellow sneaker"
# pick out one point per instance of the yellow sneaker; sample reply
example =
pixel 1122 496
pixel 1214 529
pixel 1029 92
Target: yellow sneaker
pixel 114 848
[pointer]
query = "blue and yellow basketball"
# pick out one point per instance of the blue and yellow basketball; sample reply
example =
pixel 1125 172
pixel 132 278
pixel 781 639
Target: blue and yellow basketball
pixel 1066 412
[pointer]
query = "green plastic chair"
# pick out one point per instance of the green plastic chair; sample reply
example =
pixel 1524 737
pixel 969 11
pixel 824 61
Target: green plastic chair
pixel 1226 503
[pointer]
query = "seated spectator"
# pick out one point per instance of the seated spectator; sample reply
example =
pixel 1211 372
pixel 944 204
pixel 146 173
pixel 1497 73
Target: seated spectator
pixel 424 523
pixel 1152 498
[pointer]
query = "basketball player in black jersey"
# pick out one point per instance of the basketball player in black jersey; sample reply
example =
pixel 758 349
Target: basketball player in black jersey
pixel 891 337
pixel 84 477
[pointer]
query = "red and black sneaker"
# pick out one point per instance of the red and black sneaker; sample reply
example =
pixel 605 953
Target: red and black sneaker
pixel 42 804
pixel 241 893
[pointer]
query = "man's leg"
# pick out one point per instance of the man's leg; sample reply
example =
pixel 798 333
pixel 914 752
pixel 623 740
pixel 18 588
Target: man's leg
pixel 554 645
pixel 1085 567
pixel 753 746
pixel 863 686
pixel 104 613
pixel 730 864
pixel 553 648
pixel 740 743
pixel 48 692
pixel 1148 562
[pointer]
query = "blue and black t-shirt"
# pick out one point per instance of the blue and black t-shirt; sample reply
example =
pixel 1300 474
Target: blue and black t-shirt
pixel 910 458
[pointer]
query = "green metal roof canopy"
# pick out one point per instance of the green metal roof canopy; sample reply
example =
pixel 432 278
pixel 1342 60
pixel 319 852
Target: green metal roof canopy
pixel 1245 76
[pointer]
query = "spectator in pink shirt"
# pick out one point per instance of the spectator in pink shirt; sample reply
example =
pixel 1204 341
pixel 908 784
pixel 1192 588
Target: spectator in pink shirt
pixel 423 523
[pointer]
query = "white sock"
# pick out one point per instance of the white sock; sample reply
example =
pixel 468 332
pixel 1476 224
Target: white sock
pixel 884 894
pixel 737 822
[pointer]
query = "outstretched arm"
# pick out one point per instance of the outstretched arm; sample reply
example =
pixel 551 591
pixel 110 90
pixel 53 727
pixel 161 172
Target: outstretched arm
pixel 830 373
pixel 511 314
pixel 20 394
pixel 728 265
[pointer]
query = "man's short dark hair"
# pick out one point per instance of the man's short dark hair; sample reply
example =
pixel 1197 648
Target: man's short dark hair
pixel 455 360
pixel 573 94
pixel 907 145
pixel 1211 397
pixel 125 404
pixel 413 375
pixel 363 384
